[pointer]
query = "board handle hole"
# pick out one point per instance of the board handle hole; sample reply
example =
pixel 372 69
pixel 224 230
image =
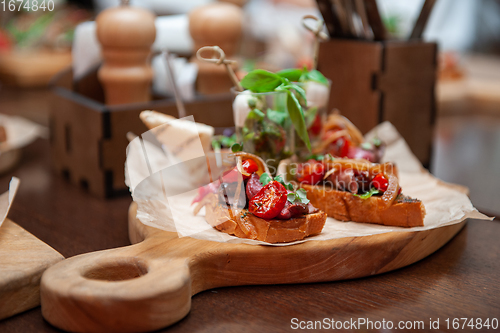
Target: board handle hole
pixel 118 271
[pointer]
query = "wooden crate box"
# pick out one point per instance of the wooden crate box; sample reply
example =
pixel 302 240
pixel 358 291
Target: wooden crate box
pixel 377 81
pixel 88 138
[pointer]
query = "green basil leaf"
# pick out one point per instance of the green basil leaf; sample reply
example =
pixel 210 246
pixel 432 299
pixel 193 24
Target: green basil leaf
pixel 304 76
pixel 300 91
pixel 368 194
pixel 265 178
pixel 260 80
pixel 297 118
pixel 249 136
pixel 279 179
pixel 292 74
pixel 256 114
pixel 302 195
pixel 291 197
pixel 316 75
pixel 277 117
pixel 310 116
pixel 236 147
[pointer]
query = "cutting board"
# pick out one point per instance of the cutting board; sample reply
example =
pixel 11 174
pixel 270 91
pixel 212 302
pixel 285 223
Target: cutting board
pixel 23 259
pixel 147 286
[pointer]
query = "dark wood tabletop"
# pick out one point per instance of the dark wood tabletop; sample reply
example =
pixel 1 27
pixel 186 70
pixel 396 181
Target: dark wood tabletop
pixel 458 281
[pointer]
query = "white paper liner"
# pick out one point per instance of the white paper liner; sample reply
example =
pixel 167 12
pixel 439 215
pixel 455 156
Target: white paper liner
pixel 7 198
pixel 164 198
pixel 20 132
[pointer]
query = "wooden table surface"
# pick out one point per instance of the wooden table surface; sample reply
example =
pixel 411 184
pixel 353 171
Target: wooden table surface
pixel 459 280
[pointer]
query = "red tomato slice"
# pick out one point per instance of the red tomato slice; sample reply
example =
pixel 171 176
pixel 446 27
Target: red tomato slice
pixel 311 172
pixel 269 202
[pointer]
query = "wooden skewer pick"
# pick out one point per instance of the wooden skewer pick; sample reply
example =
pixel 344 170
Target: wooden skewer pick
pixel 361 10
pixel 419 27
pixel 378 27
pixel 181 110
pixel 318 33
pixel 221 60
pixel 341 14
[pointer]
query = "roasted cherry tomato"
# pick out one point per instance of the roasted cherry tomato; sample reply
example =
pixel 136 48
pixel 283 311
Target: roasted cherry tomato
pixel 339 147
pixel 269 202
pixel 311 172
pixel 250 166
pixel 344 145
pixel 380 182
pixel 315 128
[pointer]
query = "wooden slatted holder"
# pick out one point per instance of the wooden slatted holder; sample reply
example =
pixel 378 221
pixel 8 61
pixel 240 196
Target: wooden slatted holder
pixel 375 81
pixel 88 138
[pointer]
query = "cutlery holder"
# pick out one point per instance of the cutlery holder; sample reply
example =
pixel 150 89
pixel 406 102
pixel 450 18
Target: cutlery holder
pixel 381 81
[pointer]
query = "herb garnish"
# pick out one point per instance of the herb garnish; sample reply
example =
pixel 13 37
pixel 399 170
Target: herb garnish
pixel 236 147
pixel 296 196
pixel 368 194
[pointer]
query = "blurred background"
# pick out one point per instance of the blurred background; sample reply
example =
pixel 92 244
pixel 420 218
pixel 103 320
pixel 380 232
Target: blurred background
pixel 38 45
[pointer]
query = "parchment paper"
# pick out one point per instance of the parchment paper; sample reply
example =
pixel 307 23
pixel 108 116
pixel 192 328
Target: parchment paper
pixel 164 197
pixel 7 198
pixel 20 132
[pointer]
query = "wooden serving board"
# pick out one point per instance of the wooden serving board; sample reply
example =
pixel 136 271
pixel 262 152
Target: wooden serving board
pixel 23 259
pixel 147 286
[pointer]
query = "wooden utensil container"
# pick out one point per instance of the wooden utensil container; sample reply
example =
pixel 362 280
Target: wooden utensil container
pixel 88 138
pixel 377 81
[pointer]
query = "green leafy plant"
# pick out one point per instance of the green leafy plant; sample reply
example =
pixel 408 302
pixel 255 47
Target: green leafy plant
pixel 260 81
pixel 303 75
pixel 222 141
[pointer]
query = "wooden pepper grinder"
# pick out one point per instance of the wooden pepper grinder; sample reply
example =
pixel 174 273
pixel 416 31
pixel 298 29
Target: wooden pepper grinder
pixel 215 24
pixel 126 35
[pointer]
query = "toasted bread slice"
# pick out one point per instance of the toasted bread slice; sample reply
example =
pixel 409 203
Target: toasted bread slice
pixel 246 225
pixel 344 206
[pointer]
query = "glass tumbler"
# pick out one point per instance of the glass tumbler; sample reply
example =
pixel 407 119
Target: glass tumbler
pixel 263 125
pixel 315 113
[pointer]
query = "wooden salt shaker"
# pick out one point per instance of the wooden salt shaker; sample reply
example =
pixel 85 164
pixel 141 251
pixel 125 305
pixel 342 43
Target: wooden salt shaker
pixel 215 24
pixel 126 35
